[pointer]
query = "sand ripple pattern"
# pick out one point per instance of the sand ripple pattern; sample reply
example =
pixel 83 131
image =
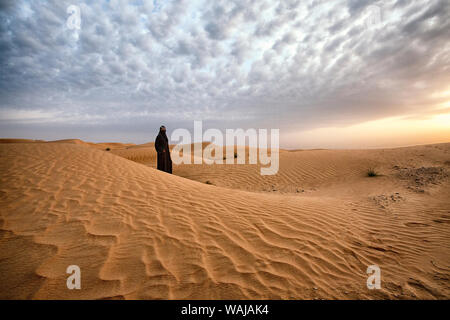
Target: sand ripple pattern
pixel 138 233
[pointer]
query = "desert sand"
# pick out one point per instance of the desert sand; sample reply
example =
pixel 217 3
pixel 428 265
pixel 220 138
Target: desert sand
pixel 222 231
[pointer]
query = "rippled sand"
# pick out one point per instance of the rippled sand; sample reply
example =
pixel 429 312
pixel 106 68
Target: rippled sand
pixel 308 232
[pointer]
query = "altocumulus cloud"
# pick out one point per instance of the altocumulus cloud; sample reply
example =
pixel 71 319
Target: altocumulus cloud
pixel 291 64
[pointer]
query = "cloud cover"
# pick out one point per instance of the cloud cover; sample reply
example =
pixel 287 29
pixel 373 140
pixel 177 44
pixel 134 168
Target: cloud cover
pixel 295 65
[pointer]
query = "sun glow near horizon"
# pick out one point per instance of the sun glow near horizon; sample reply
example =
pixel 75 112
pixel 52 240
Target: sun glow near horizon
pixel 386 132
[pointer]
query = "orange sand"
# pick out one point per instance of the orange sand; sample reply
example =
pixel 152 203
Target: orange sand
pixel 137 233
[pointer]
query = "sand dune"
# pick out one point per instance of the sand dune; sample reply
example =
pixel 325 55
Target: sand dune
pixel 101 145
pixel 20 141
pixel 308 232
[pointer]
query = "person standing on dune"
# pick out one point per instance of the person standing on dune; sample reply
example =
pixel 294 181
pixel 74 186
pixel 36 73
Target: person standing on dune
pixel 164 162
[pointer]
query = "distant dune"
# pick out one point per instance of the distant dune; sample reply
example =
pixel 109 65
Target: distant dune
pixel 19 141
pixel 222 231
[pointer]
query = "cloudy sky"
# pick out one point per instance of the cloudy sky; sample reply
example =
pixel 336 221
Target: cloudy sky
pixel 327 73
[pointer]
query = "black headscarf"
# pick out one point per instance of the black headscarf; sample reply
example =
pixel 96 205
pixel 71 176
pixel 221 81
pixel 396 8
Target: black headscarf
pixel 163 133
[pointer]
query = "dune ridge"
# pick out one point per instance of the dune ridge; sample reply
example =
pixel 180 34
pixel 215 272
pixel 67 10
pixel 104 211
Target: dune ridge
pixel 138 233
